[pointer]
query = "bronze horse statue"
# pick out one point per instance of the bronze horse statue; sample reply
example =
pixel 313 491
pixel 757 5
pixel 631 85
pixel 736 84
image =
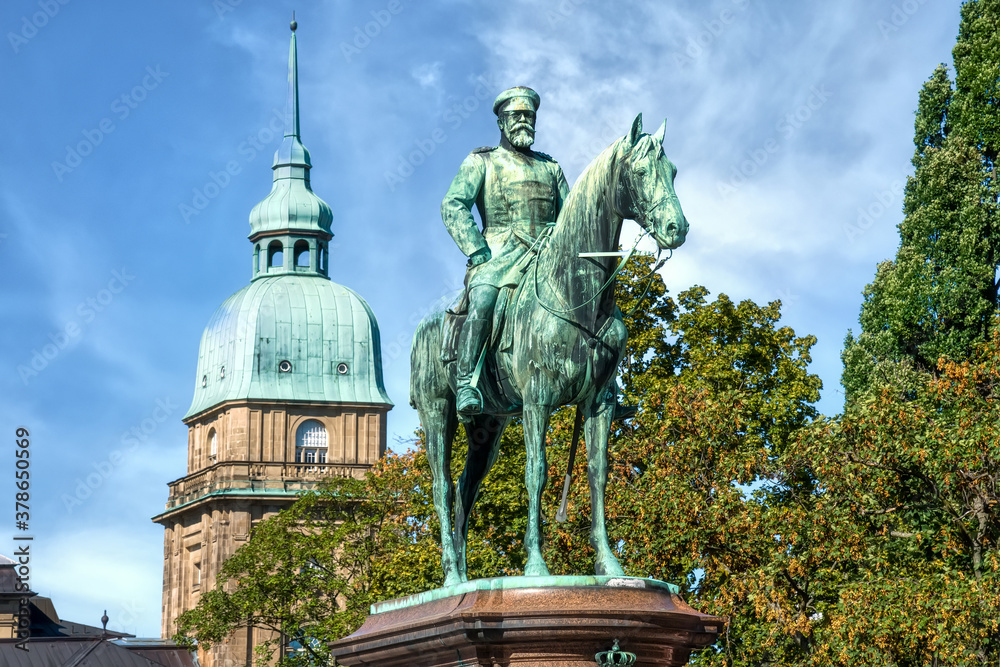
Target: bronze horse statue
pixel 568 338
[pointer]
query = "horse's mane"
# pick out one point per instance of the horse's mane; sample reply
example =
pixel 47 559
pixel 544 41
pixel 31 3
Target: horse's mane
pixel 592 184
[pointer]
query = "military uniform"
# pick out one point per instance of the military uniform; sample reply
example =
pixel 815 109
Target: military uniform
pixel 518 194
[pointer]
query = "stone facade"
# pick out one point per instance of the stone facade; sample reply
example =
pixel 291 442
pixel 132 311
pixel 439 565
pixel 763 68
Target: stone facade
pixel 250 474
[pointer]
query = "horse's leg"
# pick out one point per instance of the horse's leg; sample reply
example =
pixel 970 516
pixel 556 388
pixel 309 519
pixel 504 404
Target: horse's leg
pixel 598 414
pixel 536 423
pixel 435 403
pixel 439 422
pixel 483 433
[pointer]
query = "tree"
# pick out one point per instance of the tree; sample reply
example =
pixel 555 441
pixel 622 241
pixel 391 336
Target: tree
pixel 909 473
pixel 913 482
pixel 708 503
pixel 701 482
pixel 938 296
pixel 977 81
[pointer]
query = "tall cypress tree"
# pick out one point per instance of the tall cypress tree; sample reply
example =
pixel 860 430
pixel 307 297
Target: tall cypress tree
pixel 938 296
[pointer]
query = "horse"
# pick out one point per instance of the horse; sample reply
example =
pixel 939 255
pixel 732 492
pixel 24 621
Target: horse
pixel 565 347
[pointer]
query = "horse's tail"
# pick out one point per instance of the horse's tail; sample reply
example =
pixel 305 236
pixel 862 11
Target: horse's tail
pixel 428 376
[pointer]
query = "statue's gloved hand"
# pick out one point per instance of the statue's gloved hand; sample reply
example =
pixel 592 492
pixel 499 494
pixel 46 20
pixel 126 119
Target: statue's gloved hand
pixel 481 256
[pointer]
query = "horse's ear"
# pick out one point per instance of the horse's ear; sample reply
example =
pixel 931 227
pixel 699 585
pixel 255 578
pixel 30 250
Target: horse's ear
pixel 636 131
pixel 660 133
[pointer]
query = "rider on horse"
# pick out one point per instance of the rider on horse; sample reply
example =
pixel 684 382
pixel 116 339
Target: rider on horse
pixel 519 193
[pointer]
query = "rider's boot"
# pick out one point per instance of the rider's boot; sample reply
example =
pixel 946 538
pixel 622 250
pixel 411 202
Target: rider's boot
pixel 468 400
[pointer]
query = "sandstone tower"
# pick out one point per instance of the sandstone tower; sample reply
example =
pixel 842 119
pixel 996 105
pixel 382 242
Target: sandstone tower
pixel 288 390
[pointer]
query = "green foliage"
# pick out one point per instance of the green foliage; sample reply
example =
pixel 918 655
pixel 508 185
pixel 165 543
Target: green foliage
pixel 913 482
pixel 977 78
pixel 938 296
pixel 908 475
pixel 705 499
pixel 706 476
pixel 649 353
pixel 930 126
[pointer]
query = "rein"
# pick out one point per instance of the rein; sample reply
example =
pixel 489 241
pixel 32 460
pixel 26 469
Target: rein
pixel 610 281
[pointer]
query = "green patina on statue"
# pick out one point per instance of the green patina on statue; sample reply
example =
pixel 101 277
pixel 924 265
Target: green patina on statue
pixel 518 193
pixel 541 328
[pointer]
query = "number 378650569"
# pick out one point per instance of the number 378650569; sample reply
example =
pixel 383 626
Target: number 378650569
pixel 22 474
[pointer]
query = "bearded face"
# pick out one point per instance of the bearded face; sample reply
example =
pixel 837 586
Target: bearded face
pixel 518 127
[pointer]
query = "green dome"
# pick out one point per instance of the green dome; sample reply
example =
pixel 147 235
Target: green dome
pixel 291 204
pixel 290 338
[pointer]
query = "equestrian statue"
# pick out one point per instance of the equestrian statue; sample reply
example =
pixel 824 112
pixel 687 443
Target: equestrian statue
pixel 537 326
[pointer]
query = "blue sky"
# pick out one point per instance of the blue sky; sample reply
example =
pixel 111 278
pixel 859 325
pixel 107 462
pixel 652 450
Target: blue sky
pixel 790 123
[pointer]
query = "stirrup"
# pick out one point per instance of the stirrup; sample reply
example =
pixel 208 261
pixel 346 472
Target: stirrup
pixel 469 408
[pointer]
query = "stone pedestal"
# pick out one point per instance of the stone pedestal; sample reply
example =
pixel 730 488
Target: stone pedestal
pixel 531 622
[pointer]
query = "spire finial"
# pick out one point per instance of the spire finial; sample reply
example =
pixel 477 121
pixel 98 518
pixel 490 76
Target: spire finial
pixel 292 208
pixel 292 118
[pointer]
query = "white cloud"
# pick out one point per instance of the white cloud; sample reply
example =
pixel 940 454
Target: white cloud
pixel 428 75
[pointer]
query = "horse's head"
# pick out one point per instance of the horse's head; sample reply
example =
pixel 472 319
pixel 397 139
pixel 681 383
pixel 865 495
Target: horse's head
pixel 645 188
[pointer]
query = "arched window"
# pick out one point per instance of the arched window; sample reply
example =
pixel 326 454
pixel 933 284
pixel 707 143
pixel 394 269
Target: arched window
pixel 311 443
pixel 322 258
pixel 256 259
pixel 275 255
pixel 213 445
pixel 302 254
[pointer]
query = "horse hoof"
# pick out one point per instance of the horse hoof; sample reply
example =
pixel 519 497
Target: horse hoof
pixel 536 568
pixel 609 567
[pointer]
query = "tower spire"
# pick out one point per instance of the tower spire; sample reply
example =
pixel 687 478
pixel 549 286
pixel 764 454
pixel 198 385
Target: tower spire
pixel 291 220
pixel 292 110
pixel 292 153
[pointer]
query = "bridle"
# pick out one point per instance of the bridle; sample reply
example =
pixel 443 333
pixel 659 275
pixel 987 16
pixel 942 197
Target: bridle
pixel 642 215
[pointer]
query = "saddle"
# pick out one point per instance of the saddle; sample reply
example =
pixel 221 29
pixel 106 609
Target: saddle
pixel 510 283
pixel 495 385
pixel 501 338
